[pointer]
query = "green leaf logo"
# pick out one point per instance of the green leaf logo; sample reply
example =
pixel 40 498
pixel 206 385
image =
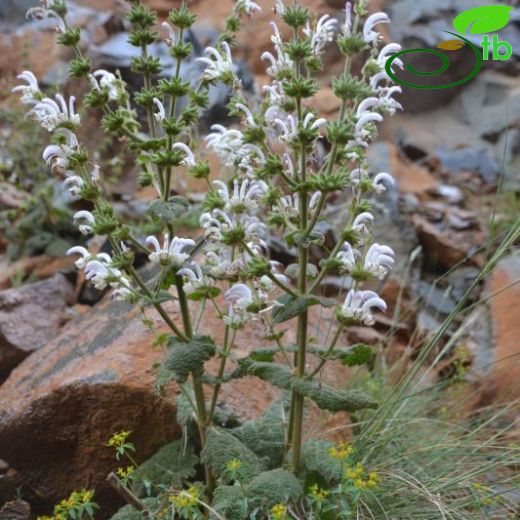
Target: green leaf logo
pixel 482 20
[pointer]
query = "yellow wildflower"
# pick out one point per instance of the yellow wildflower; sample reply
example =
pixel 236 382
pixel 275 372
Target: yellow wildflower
pixel 341 451
pixel 186 499
pixel 278 511
pixel 118 439
pixel 125 473
pixel 360 483
pixel 234 465
pixel 355 473
pixel 318 494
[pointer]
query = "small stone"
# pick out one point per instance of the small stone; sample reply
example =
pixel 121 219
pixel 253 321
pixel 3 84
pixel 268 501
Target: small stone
pixel 16 510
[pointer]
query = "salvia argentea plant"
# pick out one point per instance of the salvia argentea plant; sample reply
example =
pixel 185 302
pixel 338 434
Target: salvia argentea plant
pixel 279 180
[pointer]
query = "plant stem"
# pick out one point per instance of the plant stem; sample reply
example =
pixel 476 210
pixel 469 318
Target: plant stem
pixel 301 337
pixel 328 352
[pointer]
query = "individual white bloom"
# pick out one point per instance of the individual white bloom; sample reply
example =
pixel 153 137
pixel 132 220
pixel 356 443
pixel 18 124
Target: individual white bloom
pixel 378 78
pixel 103 275
pixel 276 38
pixel 279 7
pixel 346 30
pixel 195 278
pixel 123 292
pixel 31 93
pixel 364 119
pixel 238 298
pixel 249 115
pixel 171 253
pixel 160 115
pixel 361 223
pixel 347 257
pixel 86 257
pixel 94 174
pixel 103 79
pixel 250 156
pixel 226 143
pixel 40 13
pixel 51 115
pixel 189 159
pixel 366 105
pixel 386 52
pixel 281 63
pixel 244 197
pixel 387 102
pixel 57 156
pixel 322 34
pixel 74 184
pixel 85 221
pixel 288 164
pixel 290 205
pixel 221 265
pixel 248 6
pixel 369 35
pixel 289 127
pixel 169 30
pixel 218 225
pixel 276 100
pixel 358 306
pixel 382 181
pixel 379 260
pixel 218 65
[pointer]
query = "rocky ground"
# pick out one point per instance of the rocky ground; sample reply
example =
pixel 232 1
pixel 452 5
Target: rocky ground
pixel 75 367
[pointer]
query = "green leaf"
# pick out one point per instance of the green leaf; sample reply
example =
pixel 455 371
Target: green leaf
pixel 328 398
pixel 170 210
pixel 482 20
pixel 184 359
pixel 274 487
pixel 170 467
pixel 358 355
pixel 229 501
pixel 221 447
pixel 292 306
pixel 315 459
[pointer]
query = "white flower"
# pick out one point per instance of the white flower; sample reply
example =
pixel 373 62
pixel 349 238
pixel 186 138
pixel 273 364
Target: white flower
pixel 171 253
pixel 249 115
pixel 387 102
pixel 245 197
pixel 381 181
pixel 218 225
pixel 106 80
pixel 249 157
pixel 290 205
pixel 386 52
pixel 218 65
pixel 31 93
pixel 51 115
pixel 40 13
pixel 85 222
pixel 238 298
pixel 168 29
pixel 276 99
pixel 279 7
pixel 347 26
pixel 379 260
pixel 226 143
pixel 361 223
pixel 289 128
pixel 159 116
pixel 364 119
pixel 347 257
pixel 57 155
pixel 282 62
pixel 195 278
pixel 369 35
pixel 86 257
pixel 377 78
pixel 189 159
pixel 358 306
pixel 366 105
pixel 248 6
pixel 322 34
pixel 103 275
pixel 74 184
pixel 221 265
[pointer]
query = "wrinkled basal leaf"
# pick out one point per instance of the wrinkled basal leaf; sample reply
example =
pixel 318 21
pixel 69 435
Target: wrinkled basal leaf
pixel 482 20
pixel 451 45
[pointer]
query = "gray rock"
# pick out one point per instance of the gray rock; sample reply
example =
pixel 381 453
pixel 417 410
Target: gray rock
pixel 16 510
pixel 472 159
pixel 435 299
pixel 30 316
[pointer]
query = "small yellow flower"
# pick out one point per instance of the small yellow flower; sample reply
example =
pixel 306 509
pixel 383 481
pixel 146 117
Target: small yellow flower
pixel 355 473
pixel 125 473
pixel 318 494
pixel 360 483
pixel 118 439
pixel 234 465
pixel 341 451
pixel 279 511
pixel 186 499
